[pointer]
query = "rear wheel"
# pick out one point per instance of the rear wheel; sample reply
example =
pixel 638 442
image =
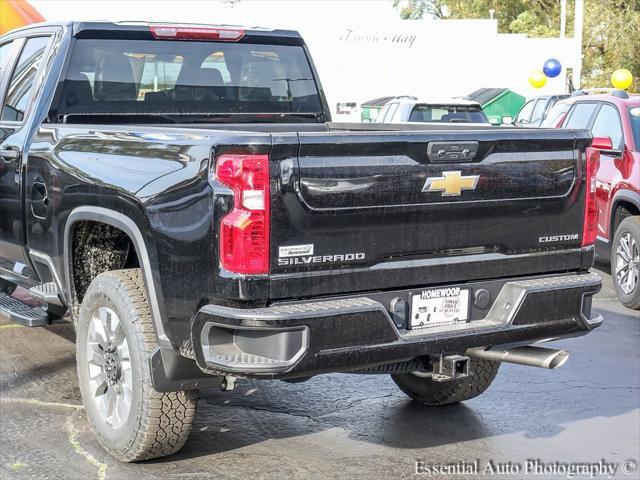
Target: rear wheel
pixel 625 262
pixel 115 337
pixel 424 390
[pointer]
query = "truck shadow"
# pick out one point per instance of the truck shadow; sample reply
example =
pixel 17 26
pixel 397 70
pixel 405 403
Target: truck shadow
pixel 600 380
pixel 532 403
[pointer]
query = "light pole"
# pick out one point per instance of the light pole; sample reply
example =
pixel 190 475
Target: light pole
pixel 577 35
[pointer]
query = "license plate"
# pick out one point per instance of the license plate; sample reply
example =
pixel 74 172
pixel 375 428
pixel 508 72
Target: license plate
pixel 438 306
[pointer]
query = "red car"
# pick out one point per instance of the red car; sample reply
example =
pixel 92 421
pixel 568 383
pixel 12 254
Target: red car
pixel 613 116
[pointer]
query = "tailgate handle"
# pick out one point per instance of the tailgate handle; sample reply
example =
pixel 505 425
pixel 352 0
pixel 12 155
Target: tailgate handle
pixel 447 152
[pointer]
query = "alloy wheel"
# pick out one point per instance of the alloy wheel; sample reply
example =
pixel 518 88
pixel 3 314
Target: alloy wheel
pixel 627 263
pixel 109 363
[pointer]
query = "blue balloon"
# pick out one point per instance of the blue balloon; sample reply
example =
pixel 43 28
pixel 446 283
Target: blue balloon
pixel 552 67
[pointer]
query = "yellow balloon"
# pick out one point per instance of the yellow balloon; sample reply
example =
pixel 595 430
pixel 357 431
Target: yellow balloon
pixel 537 79
pixel 621 79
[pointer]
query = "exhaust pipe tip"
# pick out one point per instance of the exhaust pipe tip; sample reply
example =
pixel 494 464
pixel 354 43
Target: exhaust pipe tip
pixel 557 359
pixel 531 356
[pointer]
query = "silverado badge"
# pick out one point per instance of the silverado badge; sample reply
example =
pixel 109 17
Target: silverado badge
pixel 451 184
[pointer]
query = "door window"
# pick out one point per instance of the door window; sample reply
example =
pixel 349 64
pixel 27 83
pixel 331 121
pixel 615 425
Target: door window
pixel 5 50
pixel 538 111
pixel 525 112
pixel 20 89
pixel 391 112
pixel 556 115
pixel 382 114
pixel 581 115
pixel 608 124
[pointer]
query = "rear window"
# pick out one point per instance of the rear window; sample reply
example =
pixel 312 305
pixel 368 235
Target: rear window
pixel 186 79
pixel 447 114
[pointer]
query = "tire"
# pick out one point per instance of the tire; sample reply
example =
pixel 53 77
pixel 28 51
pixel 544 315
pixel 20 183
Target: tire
pixel 625 252
pixel 130 418
pixel 56 312
pixel 424 390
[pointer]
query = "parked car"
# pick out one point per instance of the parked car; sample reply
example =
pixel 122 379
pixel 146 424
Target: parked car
pixel 536 110
pixel 613 117
pixel 411 110
pixel 182 191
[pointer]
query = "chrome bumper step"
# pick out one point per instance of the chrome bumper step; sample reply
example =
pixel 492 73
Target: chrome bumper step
pixel 21 313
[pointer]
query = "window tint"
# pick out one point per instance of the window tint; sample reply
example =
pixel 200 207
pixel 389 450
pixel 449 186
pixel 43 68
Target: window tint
pixel 175 78
pixel 447 114
pixel 556 115
pixel 525 112
pixel 580 115
pixel 538 110
pixel 608 124
pixel 22 81
pixel 5 50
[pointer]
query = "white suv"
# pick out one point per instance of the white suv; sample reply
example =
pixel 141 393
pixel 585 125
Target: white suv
pixel 412 110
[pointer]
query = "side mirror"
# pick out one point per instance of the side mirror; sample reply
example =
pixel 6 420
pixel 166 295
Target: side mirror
pixel 602 143
pixel 605 146
pixel 507 120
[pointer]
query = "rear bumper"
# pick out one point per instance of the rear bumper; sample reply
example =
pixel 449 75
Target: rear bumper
pixel 354 333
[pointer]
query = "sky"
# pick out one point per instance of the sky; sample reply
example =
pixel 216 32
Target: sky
pixel 449 58
pixel 294 14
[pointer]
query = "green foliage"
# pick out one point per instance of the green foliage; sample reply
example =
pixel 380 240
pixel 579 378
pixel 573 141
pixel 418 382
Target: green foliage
pixel 611 40
pixel 611 34
pixel 416 9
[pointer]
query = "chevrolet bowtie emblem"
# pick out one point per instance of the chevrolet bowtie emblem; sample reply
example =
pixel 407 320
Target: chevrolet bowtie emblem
pixel 451 184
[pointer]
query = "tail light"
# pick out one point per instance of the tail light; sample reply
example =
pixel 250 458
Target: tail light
pixel 244 231
pixel 590 229
pixel 180 32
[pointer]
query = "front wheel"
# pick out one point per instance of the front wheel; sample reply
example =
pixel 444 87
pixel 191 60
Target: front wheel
pixel 115 337
pixel 625 262
pixel 424 390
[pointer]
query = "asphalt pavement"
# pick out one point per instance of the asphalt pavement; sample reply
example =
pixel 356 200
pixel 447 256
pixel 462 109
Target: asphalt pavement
pixel 531 423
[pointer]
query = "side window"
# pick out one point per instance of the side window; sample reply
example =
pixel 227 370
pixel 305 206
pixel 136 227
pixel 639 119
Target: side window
pixel 556 115
pixel 580 115
pixel 524 116
pixel 608 124
pixel 22 81
pixel 382 114
pixel 538 110
pixel 5 50
pixel 392 111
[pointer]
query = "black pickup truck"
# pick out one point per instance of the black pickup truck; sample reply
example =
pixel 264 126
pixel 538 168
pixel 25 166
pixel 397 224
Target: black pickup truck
pixel 182 192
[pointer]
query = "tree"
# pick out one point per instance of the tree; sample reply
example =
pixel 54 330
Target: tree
pixel 417 9
pixel 611 34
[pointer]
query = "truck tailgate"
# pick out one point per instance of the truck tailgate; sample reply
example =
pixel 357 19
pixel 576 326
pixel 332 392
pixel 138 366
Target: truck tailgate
pixel 377 210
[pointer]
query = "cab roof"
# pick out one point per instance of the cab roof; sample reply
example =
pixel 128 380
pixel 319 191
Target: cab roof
pixel 142 30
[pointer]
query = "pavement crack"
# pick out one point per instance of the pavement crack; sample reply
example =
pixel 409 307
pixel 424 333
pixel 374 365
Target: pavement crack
pixel 360 400
pixel 33 401
pixel 72 436
pixel 290 414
